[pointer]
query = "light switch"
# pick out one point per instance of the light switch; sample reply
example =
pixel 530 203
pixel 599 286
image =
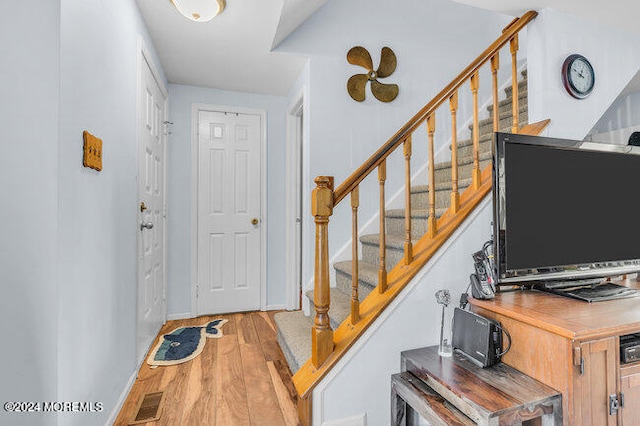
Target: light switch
pixel 92 157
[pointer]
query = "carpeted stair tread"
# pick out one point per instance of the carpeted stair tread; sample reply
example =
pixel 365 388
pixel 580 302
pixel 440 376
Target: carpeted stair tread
pixel 522 87
pixel 506 119
pixel 340 307
pixel 392 241
pixel 486 155
pixel 505 106
pixel 415 213
pixel 294 337
pixel 367 272
pixel 394 249
pixel 484 138
pixel 441 186
pixel 507 103
pixel 367 277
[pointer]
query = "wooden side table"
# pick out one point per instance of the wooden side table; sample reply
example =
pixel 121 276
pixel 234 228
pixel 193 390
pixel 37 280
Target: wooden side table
pixel 452 391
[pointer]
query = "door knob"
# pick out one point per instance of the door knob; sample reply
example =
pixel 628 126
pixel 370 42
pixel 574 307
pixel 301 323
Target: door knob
pixel 147 225
pixel 254 221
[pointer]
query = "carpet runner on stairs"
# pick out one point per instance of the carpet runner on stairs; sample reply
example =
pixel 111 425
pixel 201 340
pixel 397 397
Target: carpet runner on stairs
pixel 294 328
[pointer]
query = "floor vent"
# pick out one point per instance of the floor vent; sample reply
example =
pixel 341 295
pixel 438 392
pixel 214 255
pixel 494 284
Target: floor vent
pixel 149 409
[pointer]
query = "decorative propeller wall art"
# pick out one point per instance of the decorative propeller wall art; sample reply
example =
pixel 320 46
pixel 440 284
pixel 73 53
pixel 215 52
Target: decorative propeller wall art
pixel 357 83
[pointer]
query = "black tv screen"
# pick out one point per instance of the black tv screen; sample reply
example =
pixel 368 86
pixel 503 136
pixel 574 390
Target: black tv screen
pixel 562 211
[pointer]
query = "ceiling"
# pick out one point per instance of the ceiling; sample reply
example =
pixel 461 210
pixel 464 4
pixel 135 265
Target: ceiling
pixel 622 14
pixel 233 51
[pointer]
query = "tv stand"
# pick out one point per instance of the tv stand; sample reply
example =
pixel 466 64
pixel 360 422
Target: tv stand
pixel 573 347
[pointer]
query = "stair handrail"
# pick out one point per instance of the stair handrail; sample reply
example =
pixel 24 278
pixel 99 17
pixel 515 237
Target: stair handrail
pixel 385 150
pixel 325 196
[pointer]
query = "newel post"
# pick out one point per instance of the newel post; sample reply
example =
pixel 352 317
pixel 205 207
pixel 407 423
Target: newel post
pixel 321 209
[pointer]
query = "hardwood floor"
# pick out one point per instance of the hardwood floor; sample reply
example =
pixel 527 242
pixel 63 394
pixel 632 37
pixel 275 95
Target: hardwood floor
pixel 239 379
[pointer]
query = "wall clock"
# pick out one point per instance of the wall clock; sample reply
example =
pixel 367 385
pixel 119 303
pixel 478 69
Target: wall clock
pixel 578 76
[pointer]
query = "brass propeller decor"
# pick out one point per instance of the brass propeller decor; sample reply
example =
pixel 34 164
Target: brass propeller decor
pixel 357 83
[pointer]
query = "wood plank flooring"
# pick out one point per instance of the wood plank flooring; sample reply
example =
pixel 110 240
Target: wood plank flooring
pixel 239 379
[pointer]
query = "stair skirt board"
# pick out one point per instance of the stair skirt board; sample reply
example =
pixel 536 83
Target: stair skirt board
pixel 294 328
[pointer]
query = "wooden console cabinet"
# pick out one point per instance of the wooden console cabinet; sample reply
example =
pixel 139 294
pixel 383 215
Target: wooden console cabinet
pixel 573 346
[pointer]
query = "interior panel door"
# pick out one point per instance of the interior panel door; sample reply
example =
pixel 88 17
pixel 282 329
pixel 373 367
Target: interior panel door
pixel 229 217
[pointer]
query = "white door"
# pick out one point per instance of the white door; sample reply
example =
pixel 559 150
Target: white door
pixel 229 217
pixel 151 208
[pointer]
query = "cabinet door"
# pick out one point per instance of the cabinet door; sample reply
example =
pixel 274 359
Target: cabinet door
pixel 597 382
pixel 630 388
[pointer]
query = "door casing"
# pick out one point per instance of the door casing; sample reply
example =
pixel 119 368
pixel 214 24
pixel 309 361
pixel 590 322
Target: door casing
pixel 294 199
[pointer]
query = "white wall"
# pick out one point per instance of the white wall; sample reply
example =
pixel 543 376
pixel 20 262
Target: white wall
pixel 28 214
pixel 621 119
pixel 552 37
pixel 427 39
pixel 179 190
pixel 360 383
pixel 97 211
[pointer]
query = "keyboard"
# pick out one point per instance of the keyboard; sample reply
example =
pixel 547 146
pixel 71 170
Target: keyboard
pixel 598 293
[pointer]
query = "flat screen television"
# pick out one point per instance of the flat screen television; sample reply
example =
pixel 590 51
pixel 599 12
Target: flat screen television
pixel 564 210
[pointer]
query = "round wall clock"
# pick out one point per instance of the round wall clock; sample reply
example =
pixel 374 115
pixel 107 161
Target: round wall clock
pixel 578 76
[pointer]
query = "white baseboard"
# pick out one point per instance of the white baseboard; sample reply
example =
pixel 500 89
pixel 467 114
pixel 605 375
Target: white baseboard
pixel 123 396
pixel 184 315
pixel 359 420
pixel 276 307
pixel 187 315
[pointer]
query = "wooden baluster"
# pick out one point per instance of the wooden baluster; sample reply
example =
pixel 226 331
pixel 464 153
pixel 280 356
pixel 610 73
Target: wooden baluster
pixel 514 82
pixel 382 272
pixel 321 209
pixel 455 195
pixel 431 222
pixel 408 245
pixel 355 303
pixel 495 65
pixel 475 174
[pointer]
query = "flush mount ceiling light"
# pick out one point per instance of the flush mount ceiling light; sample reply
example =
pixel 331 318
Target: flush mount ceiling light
pixel 199 10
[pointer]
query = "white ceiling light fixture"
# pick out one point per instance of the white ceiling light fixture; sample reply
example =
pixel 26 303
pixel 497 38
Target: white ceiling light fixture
pixel 199 10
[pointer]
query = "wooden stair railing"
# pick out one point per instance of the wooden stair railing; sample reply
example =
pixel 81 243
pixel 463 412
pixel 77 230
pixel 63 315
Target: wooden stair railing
pixel 327 348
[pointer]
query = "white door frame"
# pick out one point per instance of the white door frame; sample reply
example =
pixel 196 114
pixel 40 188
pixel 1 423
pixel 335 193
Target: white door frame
pixel 294 163
pixel 144 55
pixel 195 109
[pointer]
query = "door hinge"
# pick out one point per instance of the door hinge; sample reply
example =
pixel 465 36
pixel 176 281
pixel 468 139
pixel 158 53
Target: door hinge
pixel 613 404
pixel 578 359
pixel 621 399
pixel 197 291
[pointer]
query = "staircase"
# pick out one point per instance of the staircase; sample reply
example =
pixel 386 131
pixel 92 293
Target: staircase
pixel 293 327
pixel 408 238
